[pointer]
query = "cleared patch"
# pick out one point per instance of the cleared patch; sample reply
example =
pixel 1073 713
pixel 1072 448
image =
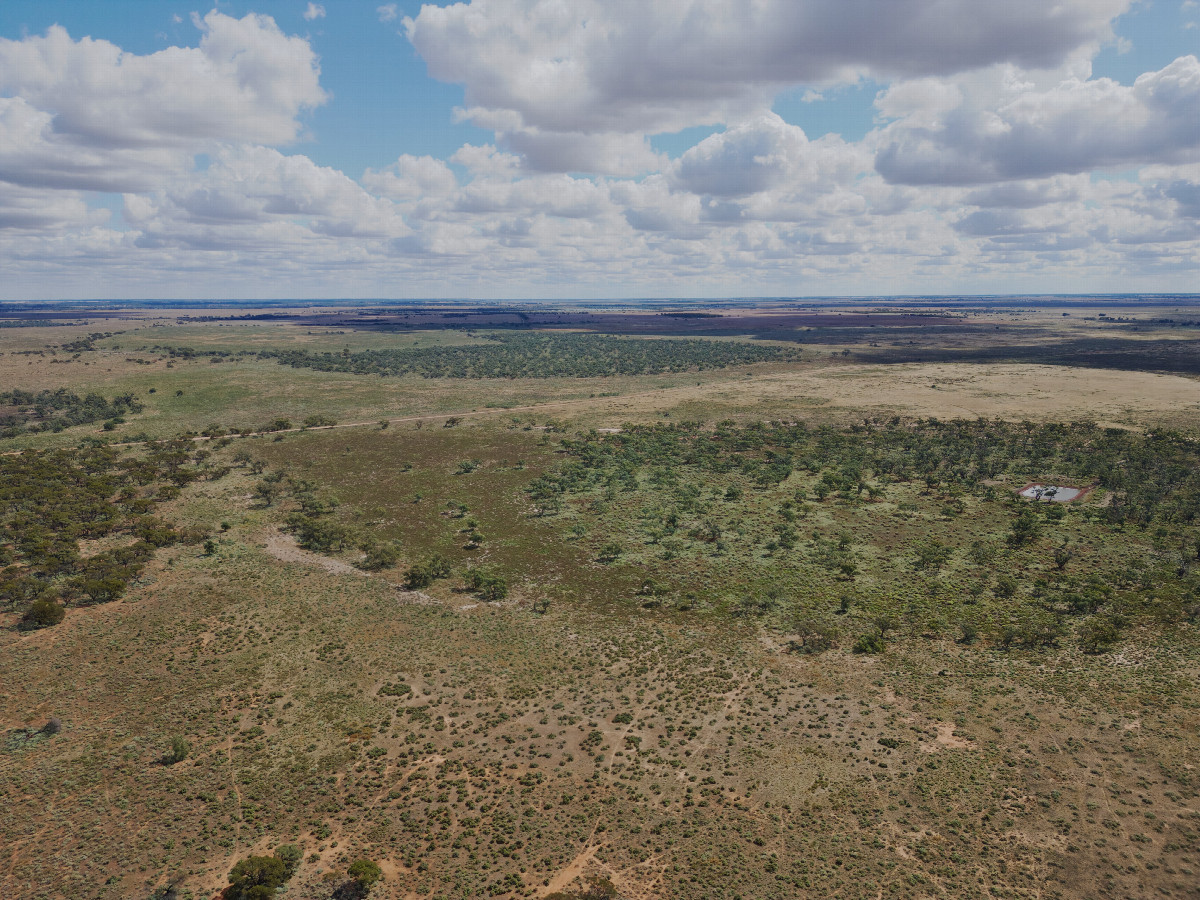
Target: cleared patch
pixel 947 740
pixel 1053 493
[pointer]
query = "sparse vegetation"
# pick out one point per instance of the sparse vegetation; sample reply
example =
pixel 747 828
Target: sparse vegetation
pixel 664 643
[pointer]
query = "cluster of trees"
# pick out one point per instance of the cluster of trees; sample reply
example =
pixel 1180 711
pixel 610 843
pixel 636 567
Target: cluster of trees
pixel 654 474
pixel 24 412
pixel 596 887
pixel 50 501
pixel 34 323
pixel 1153 475
pixel 541 355
pixel 315 526
pixel 423 574
pixel 317 529
pixel 486 585
pixel 262 877
pixel 259 877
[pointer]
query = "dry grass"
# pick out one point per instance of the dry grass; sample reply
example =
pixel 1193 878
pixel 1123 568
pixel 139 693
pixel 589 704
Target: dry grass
pixel 947 390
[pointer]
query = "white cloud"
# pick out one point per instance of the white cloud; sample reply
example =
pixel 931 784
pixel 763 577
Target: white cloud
pixel 258 191
pixel 748 158
pixel 823 222
pixel 314 11
pixel 1077 126
pixel 92 115
pixel 1029 193
pixel 25 209
pixel 990 165
pixel 487 161
pixel 555 73
pixel 652 206
pixel 1187 195
pixel 549 195
pixel 33 155
pixel 412 178
pixel 608 153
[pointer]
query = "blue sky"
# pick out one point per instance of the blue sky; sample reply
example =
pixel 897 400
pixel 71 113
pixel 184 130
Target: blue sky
pixel 522 148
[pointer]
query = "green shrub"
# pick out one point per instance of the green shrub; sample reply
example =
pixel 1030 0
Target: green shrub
pixel 320 535
pixel 381 556
pixel 1005 587
pixel 813 636
pixel 43 613
pixel 417 577
pixel 365 871
pixel 1097 635
pixel 178 752
pixel 610 552
pixel 1025 529
pixel 439 566
pixel 488 587
pixel 290 855
pixel 871 642
pixel 423 574
pixel 254 875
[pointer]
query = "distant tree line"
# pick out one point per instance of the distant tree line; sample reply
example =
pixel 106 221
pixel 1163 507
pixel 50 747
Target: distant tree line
pixel 542 355
pixel 34 323
pixel 1153 475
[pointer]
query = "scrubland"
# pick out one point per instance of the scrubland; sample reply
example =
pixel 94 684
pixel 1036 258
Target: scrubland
pixel 769 627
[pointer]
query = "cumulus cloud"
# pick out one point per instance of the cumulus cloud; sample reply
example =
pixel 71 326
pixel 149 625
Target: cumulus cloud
pixel 257 191
pixel 85 114
pixel 748 158
pixel 549 195
pixel 34 155
pixel 1029 193
pixel 652 206
pixel 608 67
pixel 1187 195
pixel 766 154
pixel 25 209
pixel 980 170
pixel 486 161
pixel 767 170
pixel 314 11
pixel 1077 126
pixel 608 153
pixel 412 178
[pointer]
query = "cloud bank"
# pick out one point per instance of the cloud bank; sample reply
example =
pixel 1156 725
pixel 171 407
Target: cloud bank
pixel 996 161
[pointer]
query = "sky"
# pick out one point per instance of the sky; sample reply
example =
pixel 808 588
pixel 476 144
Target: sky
pixel 533 149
